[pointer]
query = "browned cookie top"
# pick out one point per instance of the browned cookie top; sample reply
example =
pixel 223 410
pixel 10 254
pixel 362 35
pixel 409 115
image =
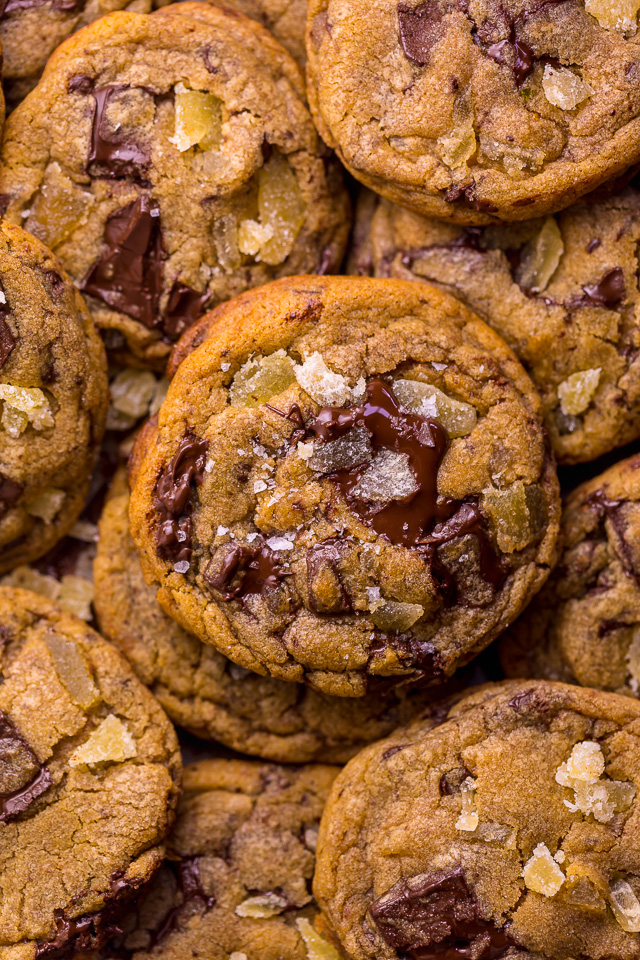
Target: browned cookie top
pixel 586 626
pixel 348 484
pixel 88 781
pixel 53 398
pixel 194 170
pixel 237 881
pixel 509 830
pixel 477 111
pixel 562 291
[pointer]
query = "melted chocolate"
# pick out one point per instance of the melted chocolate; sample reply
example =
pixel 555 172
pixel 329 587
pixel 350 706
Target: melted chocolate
pixel 188 878
pixel 413 651
pixel 114 154
pixel 609 292
pixel 173 499
pixel 420 28
pixel 437 916
pixel 246 568
pixel 128 275
pixel 523 57
pixel 184 307
pixel 17 801
pixel 7 338
pixel 80 83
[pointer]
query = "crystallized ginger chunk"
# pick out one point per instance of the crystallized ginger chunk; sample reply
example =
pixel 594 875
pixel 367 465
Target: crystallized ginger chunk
pixel 620 15
pixel 577 391
pixel 509 515
pixel 24 406
pixel 262 906
pixel 541 872
pixel 73 669
pixel 540 257
pixel 281 207
pixel 563 88
pixel 625 906
pixel 260 379
pixel 458 418
pixel 317 947
pixel 468 819
pixel 110 742
pixel 198 118
pixel 322 384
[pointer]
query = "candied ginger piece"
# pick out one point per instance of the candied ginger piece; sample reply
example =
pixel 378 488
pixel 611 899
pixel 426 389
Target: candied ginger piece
pixel 621 793
pixel 388 477
pixel 563 88
pixel 350 450
pixel 509 515
pixel 225 238
pixel 281 207
pixel 27 578
pixel 625 906
pixel 59 208
pixel 72 668
pixel 541 872
pixel 458 418
pixel 317 946
pixel 321 383
pixel 540 257
pixel 592 798
pixel 305 450
pixel 460 144
pixel 110 742
pixel 251 236
pixel 620 15
pixel 468 819
pixel 76 596
pixel 395 616
pixel 132 392
pixel 46 505
pixel 198 118
pixel 578 390
pixel 24 406
pixel 586 761
pixel 262 906
pixel 260 379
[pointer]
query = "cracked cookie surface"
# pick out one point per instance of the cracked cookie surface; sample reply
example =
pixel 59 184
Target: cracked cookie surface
pixel 210 696
pixel 88 783
pixel 53 395
pixel 30 31
pixel 194 171
pixel 348 484
pixel 240 862
pixel 585 627
pixel 510 829
pixel 476 112
pixel 562 291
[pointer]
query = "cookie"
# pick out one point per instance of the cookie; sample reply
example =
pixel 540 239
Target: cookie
pixel 476 113
pixel 88 785
pixel 194 171
pixel 348 485
pixel 237 880
pixel 284 19
pixel 562 291
pixel 510 829
pixel 586 626
pixel 54 397
pixel 210 696
pixel 31 31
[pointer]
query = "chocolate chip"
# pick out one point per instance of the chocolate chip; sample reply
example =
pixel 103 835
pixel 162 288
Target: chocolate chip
pixel 437 916
pixel 238 570
pixel 608 292
pixel 114 154
pixel 80 83
pixel 593 244
pixel 22 778
pixel 173 499
pixel 184 307
pixel 187 873
pixel 420 28
pixel 128 275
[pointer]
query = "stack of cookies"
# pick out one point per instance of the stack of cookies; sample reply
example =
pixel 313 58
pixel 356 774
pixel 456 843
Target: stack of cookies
pixel 310 316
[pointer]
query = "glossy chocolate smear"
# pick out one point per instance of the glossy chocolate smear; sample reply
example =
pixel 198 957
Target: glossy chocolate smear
pixel 241 569
pixel 22 778
pixel 436 916
pixel 112 154
pixel 522 54
pixel 184 307
pixel 7 338
pixel 187 873
pixel 128 275
pixel 173 499
pixel 66 6
pixel 420 28
pixel 609 292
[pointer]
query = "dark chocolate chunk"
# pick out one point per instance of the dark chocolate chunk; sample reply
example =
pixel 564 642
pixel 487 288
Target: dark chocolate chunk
pixel 7 338
pixel 239 570
pixel 184 307
pixel 524 61
pixel 593 244
pixel 173 499
pixel 80 83
pixel 421 655
pixel 22 778
pixel 187 875
pixel 437 916
pixel 420 28
pixel 128 275
pixel 112 154
pixel 609 291
pixel 327 592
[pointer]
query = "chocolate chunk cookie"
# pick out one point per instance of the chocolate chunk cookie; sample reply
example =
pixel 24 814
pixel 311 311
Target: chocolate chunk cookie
pixel 477 112
pixel 193 173
pixel 585 627
pixel 88 781
pixel 510 829
pixel 562 291
pixel 30 30
pixel 53 395
pixel 348 485
pixel 203 691
pixel 237 881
